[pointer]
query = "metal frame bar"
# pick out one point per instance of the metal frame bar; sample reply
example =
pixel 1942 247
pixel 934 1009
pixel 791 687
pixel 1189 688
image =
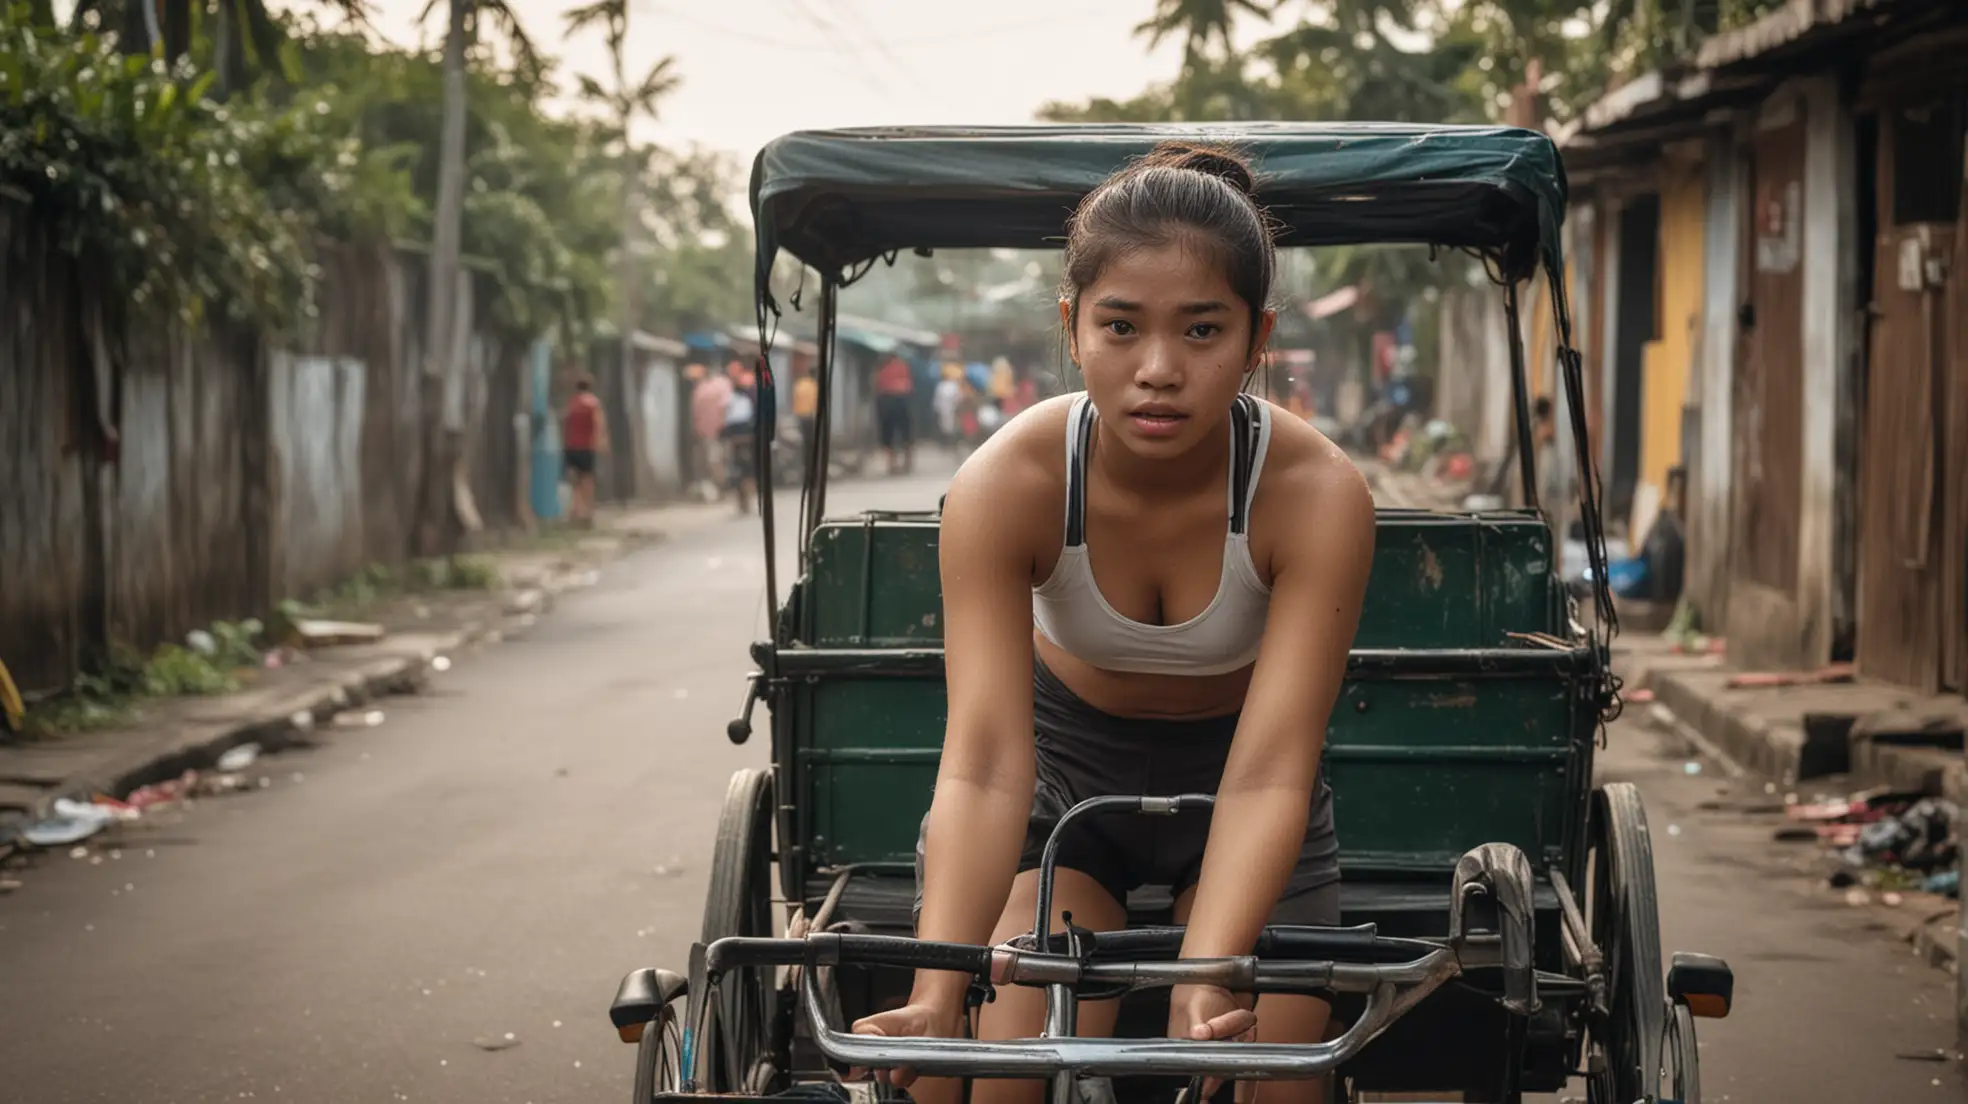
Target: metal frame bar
pixel 1398 989
pixel 820 450
pixel 1049 858
pixel 1520 395
pixel 803 664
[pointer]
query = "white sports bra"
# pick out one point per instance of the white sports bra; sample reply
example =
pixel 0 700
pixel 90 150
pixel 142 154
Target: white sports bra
pixel 1072 613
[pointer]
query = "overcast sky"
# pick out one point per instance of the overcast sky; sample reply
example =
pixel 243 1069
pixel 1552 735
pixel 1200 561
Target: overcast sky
pixel 754 69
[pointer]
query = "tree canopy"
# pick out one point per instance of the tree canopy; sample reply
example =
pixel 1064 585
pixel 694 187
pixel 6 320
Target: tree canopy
pixel 197 202
pixel 1439 61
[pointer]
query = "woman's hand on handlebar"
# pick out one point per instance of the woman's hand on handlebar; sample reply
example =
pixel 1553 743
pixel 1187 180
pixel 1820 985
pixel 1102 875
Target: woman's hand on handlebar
pixel 1206 1012
pixel 915 1020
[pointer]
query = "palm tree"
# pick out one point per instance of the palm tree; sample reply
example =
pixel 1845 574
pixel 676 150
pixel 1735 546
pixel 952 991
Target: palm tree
pixel 443 352
pixel 625 103
pixel 1200 22
pixel 245 37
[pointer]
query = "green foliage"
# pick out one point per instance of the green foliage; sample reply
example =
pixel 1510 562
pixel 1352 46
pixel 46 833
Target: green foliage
pixel 187 204
pixel 475 573
pixel 542 210
pixel 175 671
pixel 1410 60
pixel 1201 23
pixel 124 678
pixel 700 276
pixel 137 173
pixel 1434 61
pixel 236 643
pixel 379 583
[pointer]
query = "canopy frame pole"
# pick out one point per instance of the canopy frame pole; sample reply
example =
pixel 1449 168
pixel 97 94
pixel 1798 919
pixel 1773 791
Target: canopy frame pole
pixel 820 450
pixel 765 417
pixel 1520 395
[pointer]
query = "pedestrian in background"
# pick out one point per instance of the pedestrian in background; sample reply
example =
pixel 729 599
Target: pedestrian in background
pixel 583 435
pixel 806 408
pixel 895 387
pixel 945 401
pixel 737 434
pixel 708 399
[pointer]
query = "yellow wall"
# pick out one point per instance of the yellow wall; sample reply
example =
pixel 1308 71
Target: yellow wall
pixel 1667 363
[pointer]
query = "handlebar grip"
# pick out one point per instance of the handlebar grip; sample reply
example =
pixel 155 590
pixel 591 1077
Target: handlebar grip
pixel 845 949
pixel 909 954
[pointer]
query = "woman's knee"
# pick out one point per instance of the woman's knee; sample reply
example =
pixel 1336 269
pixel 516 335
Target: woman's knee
pixel 1018 1012
pixel 1292 1019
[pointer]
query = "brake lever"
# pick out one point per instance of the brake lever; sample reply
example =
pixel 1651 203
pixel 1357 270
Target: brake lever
pixel 739 730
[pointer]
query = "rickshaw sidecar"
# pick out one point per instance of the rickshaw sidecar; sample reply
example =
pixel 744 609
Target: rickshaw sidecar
pixel 1472 706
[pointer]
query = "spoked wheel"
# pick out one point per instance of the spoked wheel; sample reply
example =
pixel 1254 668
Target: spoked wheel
pixel 1683 1078
pixel 659 1057
pixel 1624 915
pixel 738 1029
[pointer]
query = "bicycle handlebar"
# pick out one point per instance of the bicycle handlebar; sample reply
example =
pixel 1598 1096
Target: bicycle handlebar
pixel 1281 971
pixel 1391 991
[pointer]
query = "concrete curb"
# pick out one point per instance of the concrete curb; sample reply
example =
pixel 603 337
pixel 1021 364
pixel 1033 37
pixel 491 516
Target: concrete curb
pixel 1937 940
pixel 355 676
pixel 1699 707
pixel 351 677
pixel 1772 750
pixel 283 721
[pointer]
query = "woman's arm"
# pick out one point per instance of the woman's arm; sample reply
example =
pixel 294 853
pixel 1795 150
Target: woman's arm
pixel 984 785
pixel 1319 579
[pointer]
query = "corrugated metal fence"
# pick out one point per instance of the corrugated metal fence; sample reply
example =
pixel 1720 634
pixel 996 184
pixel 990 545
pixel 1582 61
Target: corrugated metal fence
pixel 158 478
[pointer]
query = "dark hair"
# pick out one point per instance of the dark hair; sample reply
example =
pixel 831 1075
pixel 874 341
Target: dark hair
pixel 1181 192
pixel 583 383
pixel 1541 409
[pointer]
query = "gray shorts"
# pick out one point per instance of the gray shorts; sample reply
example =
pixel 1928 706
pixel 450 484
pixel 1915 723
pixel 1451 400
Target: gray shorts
pixel 1083 752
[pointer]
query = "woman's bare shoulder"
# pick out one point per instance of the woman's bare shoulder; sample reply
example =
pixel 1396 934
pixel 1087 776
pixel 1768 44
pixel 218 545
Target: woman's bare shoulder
pixel 1016 481
pixel 1309 478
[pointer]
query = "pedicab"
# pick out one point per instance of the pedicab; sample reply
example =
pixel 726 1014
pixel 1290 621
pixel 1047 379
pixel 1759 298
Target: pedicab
pixel 1501 933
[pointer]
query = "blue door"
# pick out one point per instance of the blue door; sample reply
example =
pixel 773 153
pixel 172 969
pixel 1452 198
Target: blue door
pixel 546 437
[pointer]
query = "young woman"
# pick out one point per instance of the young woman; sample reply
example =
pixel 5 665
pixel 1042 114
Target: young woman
pixel 1161 580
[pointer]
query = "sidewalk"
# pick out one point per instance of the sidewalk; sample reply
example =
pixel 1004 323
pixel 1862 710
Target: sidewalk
pixel 283 706
pixel 1799 727
pixel 1809 736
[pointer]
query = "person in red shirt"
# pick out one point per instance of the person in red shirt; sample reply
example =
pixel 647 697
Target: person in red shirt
pixel 583 435
pixel 895 386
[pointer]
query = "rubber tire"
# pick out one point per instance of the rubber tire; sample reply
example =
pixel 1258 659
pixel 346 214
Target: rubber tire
pixel 737 1032
pixel 658 1060
pixel 1625 921
pixel 1684 1055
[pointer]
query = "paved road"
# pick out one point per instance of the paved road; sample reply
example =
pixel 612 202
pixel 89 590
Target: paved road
pixel 495 855
pixel 1826 998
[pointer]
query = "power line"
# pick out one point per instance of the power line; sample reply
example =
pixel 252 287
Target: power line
pixel 845 44
pixel 855 14
pixel 934 38
pixel 738 33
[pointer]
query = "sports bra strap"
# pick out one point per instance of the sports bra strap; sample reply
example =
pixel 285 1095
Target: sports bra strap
pixel 1079 429
pixel 1249 438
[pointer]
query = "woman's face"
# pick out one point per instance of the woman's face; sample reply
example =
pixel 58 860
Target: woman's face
pixel 1164 344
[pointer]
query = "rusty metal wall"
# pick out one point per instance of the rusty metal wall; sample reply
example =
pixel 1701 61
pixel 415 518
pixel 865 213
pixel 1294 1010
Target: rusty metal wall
pixel 166 479
pixel 1710 542
pixel 1769 398
pixel 176 529
pixel 41 497
pixel 1954 591
pixel 499 452
pixel 316 421
pixel 1910 622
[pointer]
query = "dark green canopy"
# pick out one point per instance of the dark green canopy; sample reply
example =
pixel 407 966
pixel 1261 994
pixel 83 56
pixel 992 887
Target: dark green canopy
pixel 838 198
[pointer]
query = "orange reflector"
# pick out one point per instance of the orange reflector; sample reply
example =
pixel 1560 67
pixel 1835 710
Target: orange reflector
pixel 633 1032
pixel 1707 1005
